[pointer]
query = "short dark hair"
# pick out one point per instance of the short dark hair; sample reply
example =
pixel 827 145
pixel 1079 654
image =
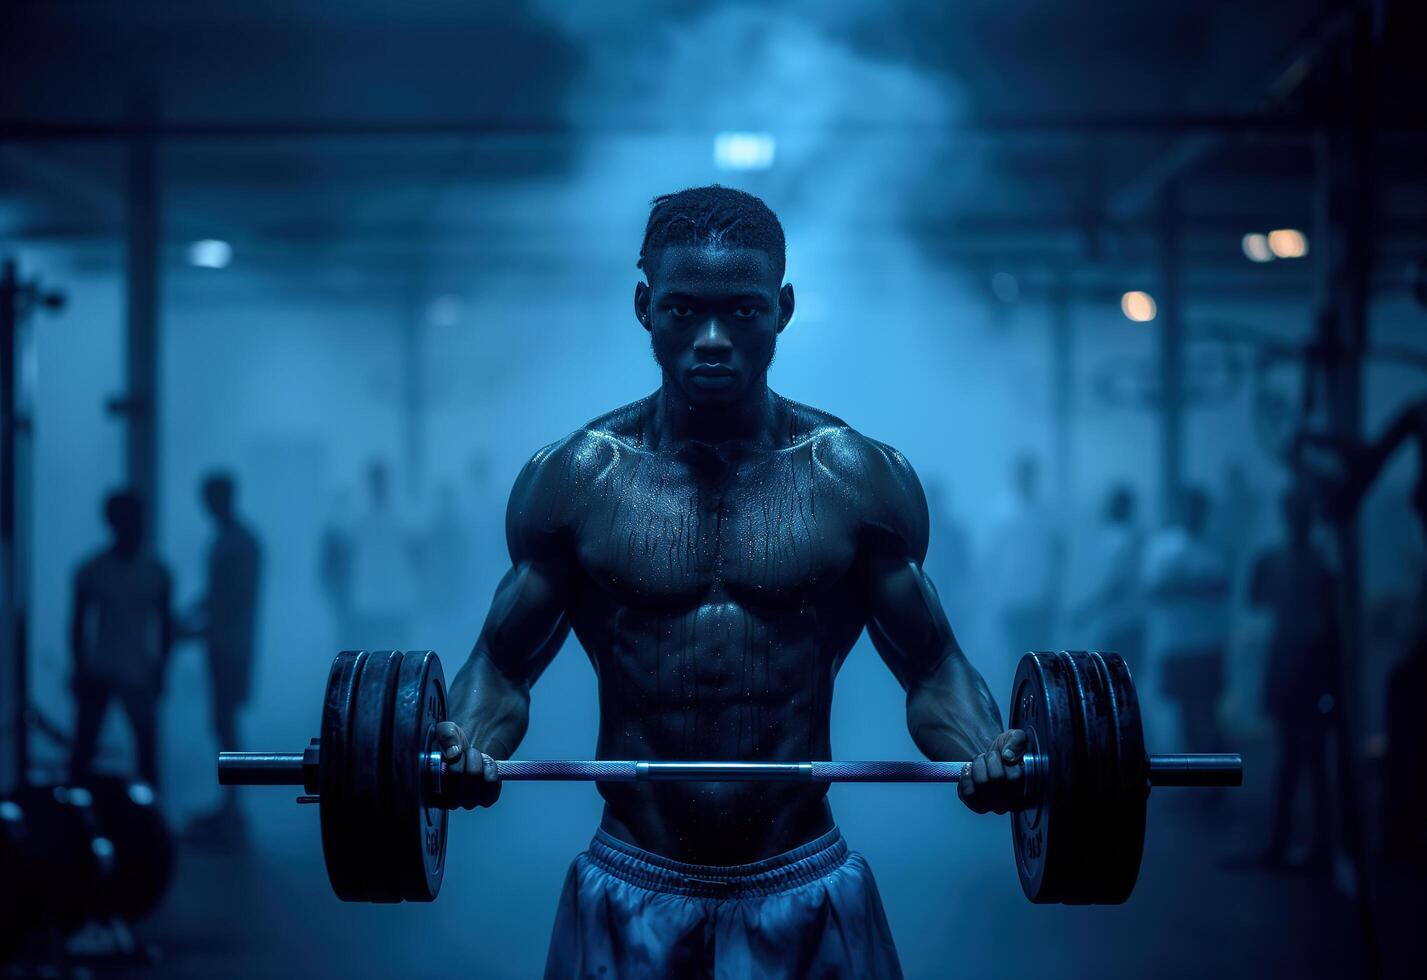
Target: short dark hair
pixel 713 215
pixel 123 507
pixel 1120 503
pixel 219 488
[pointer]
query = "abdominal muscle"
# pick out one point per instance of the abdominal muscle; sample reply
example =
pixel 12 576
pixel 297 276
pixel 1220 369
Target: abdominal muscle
pixel 755 690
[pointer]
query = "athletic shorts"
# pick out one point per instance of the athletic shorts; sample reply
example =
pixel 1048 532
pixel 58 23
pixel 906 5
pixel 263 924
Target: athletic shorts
pixel 811 912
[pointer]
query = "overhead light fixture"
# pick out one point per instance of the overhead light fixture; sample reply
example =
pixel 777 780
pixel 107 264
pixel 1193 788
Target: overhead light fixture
pixel 1256 248
pixel 744 151
pixel 1288 243
pixel 210 253
pixel 1138 306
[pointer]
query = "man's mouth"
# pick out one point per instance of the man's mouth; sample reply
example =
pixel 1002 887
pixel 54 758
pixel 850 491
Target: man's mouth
pixel 712 375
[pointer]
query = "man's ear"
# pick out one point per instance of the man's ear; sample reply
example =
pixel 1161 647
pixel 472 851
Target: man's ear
pixel 785 305
pixel 641 303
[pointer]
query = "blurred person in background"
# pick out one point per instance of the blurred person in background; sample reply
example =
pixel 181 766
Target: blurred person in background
pixel 444 571
pixel 225 619
pixel 1113 614
pixel 1236 517
pixel 1022 570
pixel 949 557
pixel 1295 584
pixel 334 567
pixel 1186 581
pixel 384 568
pixel 121 633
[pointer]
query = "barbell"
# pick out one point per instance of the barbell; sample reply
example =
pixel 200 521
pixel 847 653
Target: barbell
pixel 1078 834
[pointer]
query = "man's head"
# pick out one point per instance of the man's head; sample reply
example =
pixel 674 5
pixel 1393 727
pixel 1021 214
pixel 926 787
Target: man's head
pixel 377 483
pixel 1297 508
pixel 1120 504
pixel 1025 476
pixel 714 301
pixel 1194 510
pixel 124 513
pixel 219 490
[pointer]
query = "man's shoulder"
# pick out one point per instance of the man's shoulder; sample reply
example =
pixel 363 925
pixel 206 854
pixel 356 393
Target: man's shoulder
pixel 877 474
pixel 591 445
pixel 92 565
pixel 845 452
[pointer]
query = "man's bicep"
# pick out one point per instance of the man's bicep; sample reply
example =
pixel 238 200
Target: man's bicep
pixel 527 623
pixel 906 621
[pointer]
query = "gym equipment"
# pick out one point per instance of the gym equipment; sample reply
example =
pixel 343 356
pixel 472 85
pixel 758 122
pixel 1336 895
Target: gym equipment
pixel 73 854
pixel 384 792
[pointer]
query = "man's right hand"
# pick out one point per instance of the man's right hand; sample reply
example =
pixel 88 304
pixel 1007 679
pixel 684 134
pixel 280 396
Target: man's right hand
pixel 477 781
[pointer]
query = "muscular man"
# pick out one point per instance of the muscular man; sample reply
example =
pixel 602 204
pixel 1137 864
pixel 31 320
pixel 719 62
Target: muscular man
pixel 717 550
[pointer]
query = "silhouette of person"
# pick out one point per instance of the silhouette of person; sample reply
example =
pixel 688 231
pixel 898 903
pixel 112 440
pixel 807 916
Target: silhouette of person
pixel 950 554
pixel 1114 611
pixel 1023 569
pixel 334 567
pixel 383 570
pixel 1187 584
pixel 1295 584
pixel 121 632
pixel 225 619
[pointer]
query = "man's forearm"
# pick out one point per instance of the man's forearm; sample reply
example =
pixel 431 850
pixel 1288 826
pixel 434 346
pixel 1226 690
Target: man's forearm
pixel 491 708
pixel 951 713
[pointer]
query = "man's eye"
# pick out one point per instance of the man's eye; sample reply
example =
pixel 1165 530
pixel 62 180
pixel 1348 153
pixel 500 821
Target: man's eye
pixel 680 312
pixel 746 312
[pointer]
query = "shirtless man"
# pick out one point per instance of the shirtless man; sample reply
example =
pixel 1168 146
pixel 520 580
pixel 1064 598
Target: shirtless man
pixel 717 550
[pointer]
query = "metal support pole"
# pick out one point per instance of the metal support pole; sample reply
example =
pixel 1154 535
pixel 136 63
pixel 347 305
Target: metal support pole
pixel 140 403
pixel 1171 349
pixel 1343 242
pixel 13 682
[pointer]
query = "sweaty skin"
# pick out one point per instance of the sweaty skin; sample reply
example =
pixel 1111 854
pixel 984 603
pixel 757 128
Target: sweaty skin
pixel 717 550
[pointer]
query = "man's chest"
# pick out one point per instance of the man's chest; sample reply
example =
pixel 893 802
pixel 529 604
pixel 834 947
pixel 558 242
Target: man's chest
pixel 773 527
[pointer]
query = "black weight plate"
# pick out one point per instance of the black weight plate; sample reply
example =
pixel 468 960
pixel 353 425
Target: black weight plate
pixel 369 757
pixel 1125 843
pixel 1039 705
pixel 1095 817
pixel 16 872
pixel 126 814
pixel 341 849
pixel 68 861
pixel 419 836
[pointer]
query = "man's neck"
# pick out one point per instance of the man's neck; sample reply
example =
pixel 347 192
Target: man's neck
pixel 751 419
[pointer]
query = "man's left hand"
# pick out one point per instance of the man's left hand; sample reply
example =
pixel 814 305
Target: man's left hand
pixel 995 780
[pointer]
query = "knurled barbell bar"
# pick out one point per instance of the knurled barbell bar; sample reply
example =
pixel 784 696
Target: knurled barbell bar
pixel 1078 835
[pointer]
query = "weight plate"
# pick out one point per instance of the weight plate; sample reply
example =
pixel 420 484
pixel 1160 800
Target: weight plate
pixel 369 758
pixel 1039 706
pixel 1094 816
pixel 419 835
pixel 127 816
pixel 1124 844
pixel 341 849
pixel 69 861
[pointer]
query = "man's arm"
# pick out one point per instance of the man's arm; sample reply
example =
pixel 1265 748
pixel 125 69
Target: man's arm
pixel 78 620
pixel 950 711
pixel 166 629
pixel 525 628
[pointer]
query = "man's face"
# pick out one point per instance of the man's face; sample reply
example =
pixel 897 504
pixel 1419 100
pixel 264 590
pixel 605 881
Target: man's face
pixel 713 315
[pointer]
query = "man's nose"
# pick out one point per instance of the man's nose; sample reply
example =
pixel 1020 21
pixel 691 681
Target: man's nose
pixel 713 338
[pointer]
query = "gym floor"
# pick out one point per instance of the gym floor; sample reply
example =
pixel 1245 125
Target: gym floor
pixel 270 913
